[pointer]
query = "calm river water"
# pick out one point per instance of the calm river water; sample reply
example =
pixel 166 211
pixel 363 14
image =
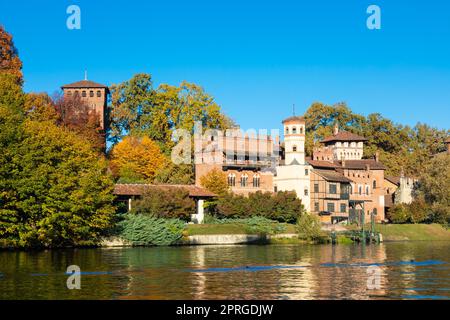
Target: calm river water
pixel 409 270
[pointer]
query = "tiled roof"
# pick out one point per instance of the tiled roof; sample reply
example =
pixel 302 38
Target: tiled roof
pixel 361 164
pixel 349 164
pixel 294 119
pixel 333 176
pixel 344 136
pixel 140 189
pixel 322 164
pixel 394 180
pixel 84 84
pixel 388 200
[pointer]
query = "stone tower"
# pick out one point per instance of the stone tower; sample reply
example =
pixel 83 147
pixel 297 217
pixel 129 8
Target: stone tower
pixel 95 95
pixel 294 140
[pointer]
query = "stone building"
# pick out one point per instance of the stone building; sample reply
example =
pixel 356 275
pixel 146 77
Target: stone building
pixel 247 160
pixel 95 95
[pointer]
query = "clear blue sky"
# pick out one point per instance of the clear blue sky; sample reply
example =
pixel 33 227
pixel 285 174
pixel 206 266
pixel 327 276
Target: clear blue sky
pixel 256 57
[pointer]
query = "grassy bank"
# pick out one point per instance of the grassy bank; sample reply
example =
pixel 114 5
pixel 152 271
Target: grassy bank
pixel 228 228
pixel 414 232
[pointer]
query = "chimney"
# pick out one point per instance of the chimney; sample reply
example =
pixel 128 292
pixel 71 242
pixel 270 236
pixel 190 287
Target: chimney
pixel 377 156
pixel 336 129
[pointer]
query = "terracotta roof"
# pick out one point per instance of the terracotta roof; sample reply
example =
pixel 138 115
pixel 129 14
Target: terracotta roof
pixel 85 84
pixel 140 189
pixel 294 119
pixel 333 176
pixel 344 136
pixel 349 164
pixel 394 180
pixel 361 164
pixel 322 164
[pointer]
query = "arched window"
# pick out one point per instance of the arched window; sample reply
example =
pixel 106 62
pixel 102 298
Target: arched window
pixel 244 180
pixel 99 93
pixel 91 93
pixel 306 192
pixel 231 180
pixel 69 93
pixel 301 130
pixel 294 149
pixel 287 130
pixel 367 190
pixel 294 130
pixel 375 211
pixel 256 181
pixel 83 93
pixel 360 190
pixel 77 92
pixel 374 185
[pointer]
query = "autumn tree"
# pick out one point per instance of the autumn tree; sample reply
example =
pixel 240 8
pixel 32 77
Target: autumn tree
pixel 9 57
pixel 215 181
pixel 76 115
pixel 54 190
pixel 40 107
pixel 139 108
pixel 136 159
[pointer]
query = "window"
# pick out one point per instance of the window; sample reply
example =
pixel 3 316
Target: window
pixel 99 93
pixel 375 211
pixel 91 93
pixel 333 188
pixel 294 149
pixel 275 189
pixel 316 187
pixel 69 93
pixel 231 180
pixel 306 172
pixel 343 208
pixel 244 180
pixel 306 192
pixel 360 190
pixel 367 190
pixel 301 130
pixel 83 93
pixel 77 92
pixel 374 185
pixel 287 130
pixel 330 207
pixel 256 181
pixel 316 206
pixel 294 130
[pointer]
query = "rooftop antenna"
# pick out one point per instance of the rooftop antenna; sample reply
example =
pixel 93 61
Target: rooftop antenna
pixel 85 75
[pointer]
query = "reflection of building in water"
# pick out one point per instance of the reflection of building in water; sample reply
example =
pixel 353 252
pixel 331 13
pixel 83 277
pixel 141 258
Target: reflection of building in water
pixel 339 275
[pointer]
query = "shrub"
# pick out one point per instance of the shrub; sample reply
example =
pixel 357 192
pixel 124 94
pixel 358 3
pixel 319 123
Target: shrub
pixel 165 203
pixel 262 225
pixel 282 206
pixel 308 227
pixel 398 214
pixel 148 230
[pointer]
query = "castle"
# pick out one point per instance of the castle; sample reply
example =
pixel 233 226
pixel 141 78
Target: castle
pixel 336 183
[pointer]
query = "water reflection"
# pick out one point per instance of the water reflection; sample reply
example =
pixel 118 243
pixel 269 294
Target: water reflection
pixel 407 270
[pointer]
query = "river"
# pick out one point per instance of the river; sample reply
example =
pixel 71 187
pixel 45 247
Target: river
pixel 397 270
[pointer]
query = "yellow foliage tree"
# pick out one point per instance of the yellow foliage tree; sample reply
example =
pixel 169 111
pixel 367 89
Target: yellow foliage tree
pixel 136 158
pixel 215 181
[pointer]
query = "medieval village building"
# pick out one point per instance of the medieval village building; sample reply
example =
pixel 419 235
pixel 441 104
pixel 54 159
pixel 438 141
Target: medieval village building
pixel 335 183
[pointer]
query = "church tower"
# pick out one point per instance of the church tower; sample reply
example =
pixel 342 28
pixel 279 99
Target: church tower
pixel 294 175
pixel 294 140
pixel 95 95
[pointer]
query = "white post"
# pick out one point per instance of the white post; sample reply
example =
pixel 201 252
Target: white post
pixel 200 214
pixel 129 204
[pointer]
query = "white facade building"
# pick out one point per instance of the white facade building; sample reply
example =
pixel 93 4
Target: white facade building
pixel 294 175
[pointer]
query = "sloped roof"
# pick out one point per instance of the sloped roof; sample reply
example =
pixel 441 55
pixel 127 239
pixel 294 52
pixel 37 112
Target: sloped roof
pixel 394 180
pixel 333 176
pixel 349 164
pixel 294 119
pixel 361 164
pixel 343 136
pixel 84 84
pixel 140 189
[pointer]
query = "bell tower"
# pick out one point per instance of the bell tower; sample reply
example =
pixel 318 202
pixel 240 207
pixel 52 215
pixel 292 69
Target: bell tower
pixel 294 140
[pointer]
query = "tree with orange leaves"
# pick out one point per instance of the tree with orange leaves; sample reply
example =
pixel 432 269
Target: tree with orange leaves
pixel 9 57
pixel 136 159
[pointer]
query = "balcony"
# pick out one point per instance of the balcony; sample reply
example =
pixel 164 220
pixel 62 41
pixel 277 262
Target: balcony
pixel 345 196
